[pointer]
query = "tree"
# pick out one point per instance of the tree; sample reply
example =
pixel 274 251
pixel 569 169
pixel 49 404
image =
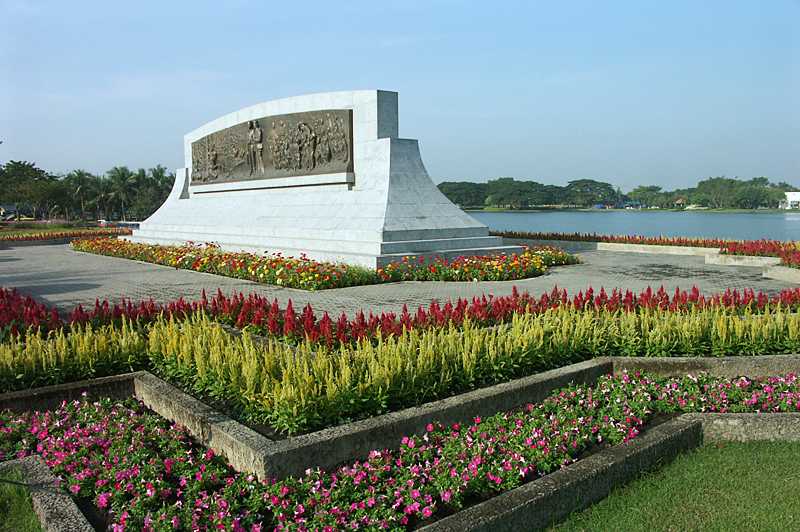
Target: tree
pixel 464 193
pixel 716 192
pixel 587 192
pixel 79 182
pixel 647 195
pixel 19 182
pixel 751 196
pixel 102 199
pixel 122 182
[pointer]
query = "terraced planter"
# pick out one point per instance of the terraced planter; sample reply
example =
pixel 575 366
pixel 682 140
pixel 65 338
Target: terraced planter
pixel 580 480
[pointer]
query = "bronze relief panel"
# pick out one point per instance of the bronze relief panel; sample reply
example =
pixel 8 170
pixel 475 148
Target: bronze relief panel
pixel 296 144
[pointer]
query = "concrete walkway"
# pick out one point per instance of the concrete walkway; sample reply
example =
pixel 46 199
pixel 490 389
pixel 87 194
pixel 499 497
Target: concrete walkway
pixel 62 277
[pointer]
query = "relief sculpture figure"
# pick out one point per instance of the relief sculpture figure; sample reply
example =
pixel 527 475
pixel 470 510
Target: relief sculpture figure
pixel 293 144
pixel 307 140
pixel 212 163
pixel 255 148
pixel 198 166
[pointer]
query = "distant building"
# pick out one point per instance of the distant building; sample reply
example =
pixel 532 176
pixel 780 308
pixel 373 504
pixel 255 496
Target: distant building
pixel 792 201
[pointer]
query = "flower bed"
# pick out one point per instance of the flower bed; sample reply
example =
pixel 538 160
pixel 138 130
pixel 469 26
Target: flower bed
pixel 530 263
pixel 307 274
pixel 258 315
pixel 306 386
pixel 18 313
pixel 788 252
pixel 323 372
pixel 619 239
pixel 143 474
pixel 25 236
pixel 274 269
pixel 263 316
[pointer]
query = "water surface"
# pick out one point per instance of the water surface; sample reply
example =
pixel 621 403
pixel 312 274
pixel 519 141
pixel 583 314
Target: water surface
pixel 734 225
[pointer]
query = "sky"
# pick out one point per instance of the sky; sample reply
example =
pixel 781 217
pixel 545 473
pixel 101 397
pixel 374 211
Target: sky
pixel 629 92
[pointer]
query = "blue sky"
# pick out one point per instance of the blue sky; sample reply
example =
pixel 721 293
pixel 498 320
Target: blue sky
pixel 637 92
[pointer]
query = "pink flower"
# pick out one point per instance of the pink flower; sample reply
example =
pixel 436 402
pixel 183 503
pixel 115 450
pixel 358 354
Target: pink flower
pixel 75 489
pixel 102 499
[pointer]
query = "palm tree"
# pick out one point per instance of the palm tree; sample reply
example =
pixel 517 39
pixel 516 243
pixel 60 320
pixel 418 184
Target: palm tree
pixel 79 182
pixel 102 196
pixel 161 179
pixel 122 184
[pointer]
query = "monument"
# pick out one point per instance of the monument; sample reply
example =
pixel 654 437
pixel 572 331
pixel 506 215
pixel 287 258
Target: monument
pixel 324 175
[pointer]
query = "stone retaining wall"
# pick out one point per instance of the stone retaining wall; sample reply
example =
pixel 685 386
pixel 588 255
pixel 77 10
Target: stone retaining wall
pixel 742 260
pixel 574 245
pixel 749 427
pixel 56 510
pixel 728 367
pixel 50 397
pixel 782 273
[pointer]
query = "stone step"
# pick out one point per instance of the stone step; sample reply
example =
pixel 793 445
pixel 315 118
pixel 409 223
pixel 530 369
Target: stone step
pixel 260 243
pixel 440 244
pixel 364 259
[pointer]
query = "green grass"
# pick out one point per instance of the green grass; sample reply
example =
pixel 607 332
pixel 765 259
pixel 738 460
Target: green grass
pixel 731 486
pixel 16 509
pixel 31 229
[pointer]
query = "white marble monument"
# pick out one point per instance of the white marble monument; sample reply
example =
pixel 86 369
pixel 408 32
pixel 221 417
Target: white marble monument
pixel 323 175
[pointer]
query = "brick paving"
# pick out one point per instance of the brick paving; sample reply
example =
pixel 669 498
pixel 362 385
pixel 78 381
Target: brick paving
pixel 62 277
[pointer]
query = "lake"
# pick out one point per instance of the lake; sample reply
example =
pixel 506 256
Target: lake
pixel 733 225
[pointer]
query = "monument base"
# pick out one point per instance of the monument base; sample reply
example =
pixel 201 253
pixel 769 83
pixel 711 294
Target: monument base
pixel 359 259
pixel 387 208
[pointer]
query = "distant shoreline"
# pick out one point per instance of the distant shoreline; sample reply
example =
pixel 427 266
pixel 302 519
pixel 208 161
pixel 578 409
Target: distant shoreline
pixel 586 209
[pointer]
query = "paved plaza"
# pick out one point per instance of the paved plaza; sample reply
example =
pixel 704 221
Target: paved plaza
pixel 59 276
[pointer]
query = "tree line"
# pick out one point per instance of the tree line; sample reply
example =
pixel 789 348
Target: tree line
pixel 713 192
pixel 119 194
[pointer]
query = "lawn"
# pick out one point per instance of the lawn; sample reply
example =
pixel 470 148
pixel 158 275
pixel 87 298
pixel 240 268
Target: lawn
pixel 29 228
pixel 730 486
pixel 25 232
pixel 16 510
